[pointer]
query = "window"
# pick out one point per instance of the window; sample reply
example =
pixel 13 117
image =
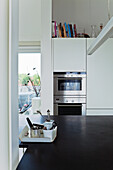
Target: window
pixel 29 80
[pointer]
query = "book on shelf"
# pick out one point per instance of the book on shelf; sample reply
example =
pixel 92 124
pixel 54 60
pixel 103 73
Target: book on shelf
pixel 55 26
pixel 67 35
pixel 59 30
pixel 75 30
pixel 53 29
pixel 69 30
pixel 64 30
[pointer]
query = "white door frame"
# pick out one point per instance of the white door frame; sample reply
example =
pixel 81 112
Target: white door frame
pixel 13 83
pixel 9 153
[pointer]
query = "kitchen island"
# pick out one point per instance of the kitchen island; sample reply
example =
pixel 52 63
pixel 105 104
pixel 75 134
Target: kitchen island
pixel 83 142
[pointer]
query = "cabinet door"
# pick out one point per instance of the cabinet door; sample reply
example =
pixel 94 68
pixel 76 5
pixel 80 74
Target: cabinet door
pixel 69 54
pixel 100 77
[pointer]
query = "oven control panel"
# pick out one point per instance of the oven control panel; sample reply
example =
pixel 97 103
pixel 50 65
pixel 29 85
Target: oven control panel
pixel 60 99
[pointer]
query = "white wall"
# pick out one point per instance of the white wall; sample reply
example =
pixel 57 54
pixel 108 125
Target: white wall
pixel 84 13
pixel 29 20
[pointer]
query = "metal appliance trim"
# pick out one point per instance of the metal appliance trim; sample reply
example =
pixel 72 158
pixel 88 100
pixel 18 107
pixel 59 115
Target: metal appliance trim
pixel 58 77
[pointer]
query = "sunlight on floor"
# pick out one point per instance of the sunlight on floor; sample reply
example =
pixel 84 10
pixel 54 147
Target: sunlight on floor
pixel 21 153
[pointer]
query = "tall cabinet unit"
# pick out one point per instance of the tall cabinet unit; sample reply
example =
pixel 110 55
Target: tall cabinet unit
pixel 100 79
pixel 69 54
pixel 46 58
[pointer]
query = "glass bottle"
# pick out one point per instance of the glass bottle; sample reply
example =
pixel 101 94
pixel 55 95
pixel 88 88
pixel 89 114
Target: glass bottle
pixel 93 31
pixel 101 27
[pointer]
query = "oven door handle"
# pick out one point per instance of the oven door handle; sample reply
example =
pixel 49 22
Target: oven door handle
pixel 67 105
pixel 66 78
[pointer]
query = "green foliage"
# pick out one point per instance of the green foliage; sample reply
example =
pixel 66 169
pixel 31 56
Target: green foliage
pixel 36 80
pixel 24 79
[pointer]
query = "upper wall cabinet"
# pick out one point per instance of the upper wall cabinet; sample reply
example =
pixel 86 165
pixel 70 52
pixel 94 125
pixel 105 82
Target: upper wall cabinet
pixel 69 54
pixel 29 20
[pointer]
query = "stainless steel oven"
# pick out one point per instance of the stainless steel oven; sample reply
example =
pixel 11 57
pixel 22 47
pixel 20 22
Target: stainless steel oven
pixel 67 83
pixel 69 105
pixel 70 93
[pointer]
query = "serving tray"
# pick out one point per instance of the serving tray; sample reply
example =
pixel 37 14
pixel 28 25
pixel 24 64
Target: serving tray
pixel 46 135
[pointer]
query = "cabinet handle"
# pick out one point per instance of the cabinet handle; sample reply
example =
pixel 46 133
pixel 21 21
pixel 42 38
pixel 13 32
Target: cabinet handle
pixel 69 105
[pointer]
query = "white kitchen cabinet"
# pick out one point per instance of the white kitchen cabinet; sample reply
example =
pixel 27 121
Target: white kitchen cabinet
pixel 69 54
pixel 100 78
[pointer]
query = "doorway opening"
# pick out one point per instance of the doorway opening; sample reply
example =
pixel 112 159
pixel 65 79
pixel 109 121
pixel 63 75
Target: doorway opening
pixel 29 81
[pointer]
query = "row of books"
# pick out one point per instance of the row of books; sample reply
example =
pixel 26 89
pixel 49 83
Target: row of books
pixel 63 30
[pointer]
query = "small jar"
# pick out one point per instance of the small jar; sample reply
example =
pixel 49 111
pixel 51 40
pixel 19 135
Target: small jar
pixel 35 132
pixel 93 31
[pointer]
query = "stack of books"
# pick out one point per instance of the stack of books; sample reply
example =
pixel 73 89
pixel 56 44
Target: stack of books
pixel 63 30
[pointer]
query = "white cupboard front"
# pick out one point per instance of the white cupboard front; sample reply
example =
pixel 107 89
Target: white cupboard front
pixel 100 77
pixel 69 54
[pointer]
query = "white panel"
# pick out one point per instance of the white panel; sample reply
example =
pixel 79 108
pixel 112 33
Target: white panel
pixel 46 59
pixel 4 141
pixel 69 54
pixel 29 20
pixel 96 112
pixel 98 11
pixel 100 76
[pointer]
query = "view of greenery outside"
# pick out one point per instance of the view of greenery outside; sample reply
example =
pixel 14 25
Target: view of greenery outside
pixel 30 87
pixel 29 81
pixel 36 80
pixel 24 79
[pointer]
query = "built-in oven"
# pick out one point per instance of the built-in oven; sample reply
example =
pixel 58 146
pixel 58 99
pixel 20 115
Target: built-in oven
pixel 68 105
pixel 70 83
pixel 70 93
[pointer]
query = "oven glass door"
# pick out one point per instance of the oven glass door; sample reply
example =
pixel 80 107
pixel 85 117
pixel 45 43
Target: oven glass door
pixel 70 84
pixel 70 109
